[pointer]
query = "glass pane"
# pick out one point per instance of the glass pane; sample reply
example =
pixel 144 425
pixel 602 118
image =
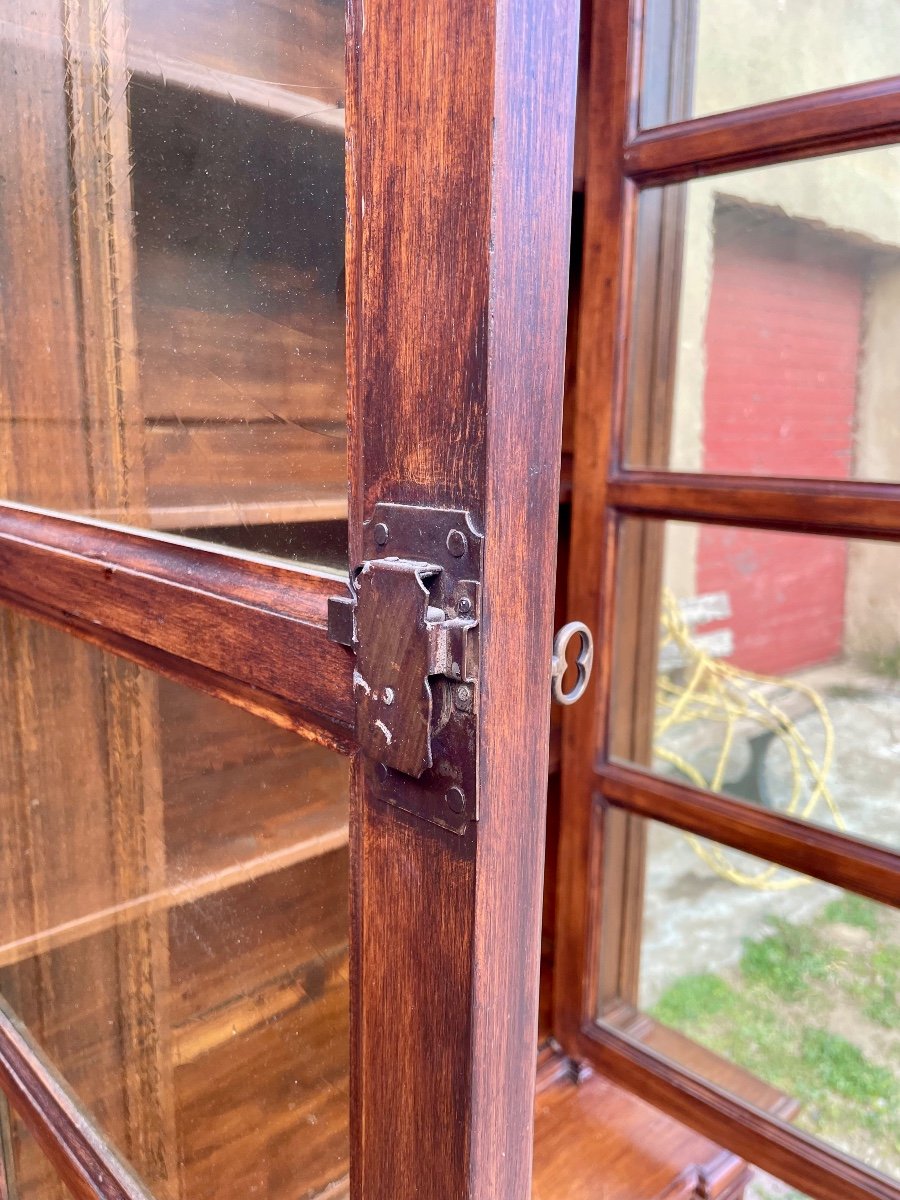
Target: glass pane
pixel 776 987
pixel 765 666
pixel 724 55
pixel 172 268
pixel 25 1170
pixel 174 900
pixel 765 321
pixel 763 1186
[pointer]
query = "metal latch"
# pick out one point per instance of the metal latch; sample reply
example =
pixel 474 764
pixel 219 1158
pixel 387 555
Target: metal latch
pixel 412 620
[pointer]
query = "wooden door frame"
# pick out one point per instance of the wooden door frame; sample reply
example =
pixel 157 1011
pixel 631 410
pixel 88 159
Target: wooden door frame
pixel 456 401
pixel 460 125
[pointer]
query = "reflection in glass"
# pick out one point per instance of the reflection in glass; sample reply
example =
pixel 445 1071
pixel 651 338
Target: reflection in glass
pixel 172 266
pixel 765 666
pixel 174 900
pixel 776 987
pixel 718 55
pixel 765 321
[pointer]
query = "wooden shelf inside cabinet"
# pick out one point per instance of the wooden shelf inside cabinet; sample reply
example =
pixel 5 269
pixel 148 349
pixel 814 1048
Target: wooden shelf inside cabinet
pixel 243 798
pixel 267 1107
pixel 271 802
pixel 594 1139
pixel 239 308
pixel 260 1033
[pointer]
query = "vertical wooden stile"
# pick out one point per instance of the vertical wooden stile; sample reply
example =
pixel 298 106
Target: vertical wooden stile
pixel 460 123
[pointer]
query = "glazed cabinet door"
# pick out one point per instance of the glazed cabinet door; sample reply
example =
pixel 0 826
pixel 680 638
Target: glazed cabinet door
pixel 731 867
pixel 282 308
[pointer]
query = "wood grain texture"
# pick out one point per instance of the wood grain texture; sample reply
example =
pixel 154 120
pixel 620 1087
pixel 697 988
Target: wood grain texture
pixel 759 1137
pixel 593 1138
pixel 845 118
pixel 460 140
pixel 847 862
pixel 262 625
pixel 608 214
pixel 851 508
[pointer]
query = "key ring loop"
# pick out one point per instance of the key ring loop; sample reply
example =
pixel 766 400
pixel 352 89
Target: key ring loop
pixel 583 662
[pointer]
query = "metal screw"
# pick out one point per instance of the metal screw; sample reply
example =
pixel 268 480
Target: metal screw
pixel 380 534
pixel 464 606
pixel 457 543
pixel 456 800
pixel 464 693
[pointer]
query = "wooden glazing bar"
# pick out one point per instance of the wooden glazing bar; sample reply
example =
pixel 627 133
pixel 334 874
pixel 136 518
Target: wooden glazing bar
pixel 846 508
pixel 78 1152
pixel 767 1142
pixel 846 118
pixel 847 862
pixel 220 621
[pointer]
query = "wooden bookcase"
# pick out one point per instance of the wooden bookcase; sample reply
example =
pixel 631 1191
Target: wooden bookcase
pixel 256 971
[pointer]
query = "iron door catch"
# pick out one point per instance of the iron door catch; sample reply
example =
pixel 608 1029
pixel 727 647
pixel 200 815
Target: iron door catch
pixel 412 620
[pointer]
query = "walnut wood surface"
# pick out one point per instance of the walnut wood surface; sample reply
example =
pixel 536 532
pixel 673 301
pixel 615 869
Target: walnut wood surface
pixel 593 1138
pixel 848 862
pixel 845 118
pixel 591 571
pixel 258 623
pixel 460 132
pixel 851 508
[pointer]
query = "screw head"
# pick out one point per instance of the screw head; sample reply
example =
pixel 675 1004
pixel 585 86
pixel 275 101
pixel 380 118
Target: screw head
pixel 464 693
pixel 457 543
pixel 464 606
pixel 456 800
pixel 380 534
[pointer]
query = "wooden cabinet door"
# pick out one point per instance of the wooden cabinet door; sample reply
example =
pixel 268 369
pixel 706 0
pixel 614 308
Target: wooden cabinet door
pixel 734 547
pixel 283 297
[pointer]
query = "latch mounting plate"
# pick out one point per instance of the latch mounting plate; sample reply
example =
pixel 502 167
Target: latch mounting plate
pixel 412 619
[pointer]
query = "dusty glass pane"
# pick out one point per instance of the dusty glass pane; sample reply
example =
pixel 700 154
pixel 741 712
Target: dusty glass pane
pixel 172 267
pixel 765 666
pixel 174 902
pixel 789 984
pixel 765 322
pixel 717 55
